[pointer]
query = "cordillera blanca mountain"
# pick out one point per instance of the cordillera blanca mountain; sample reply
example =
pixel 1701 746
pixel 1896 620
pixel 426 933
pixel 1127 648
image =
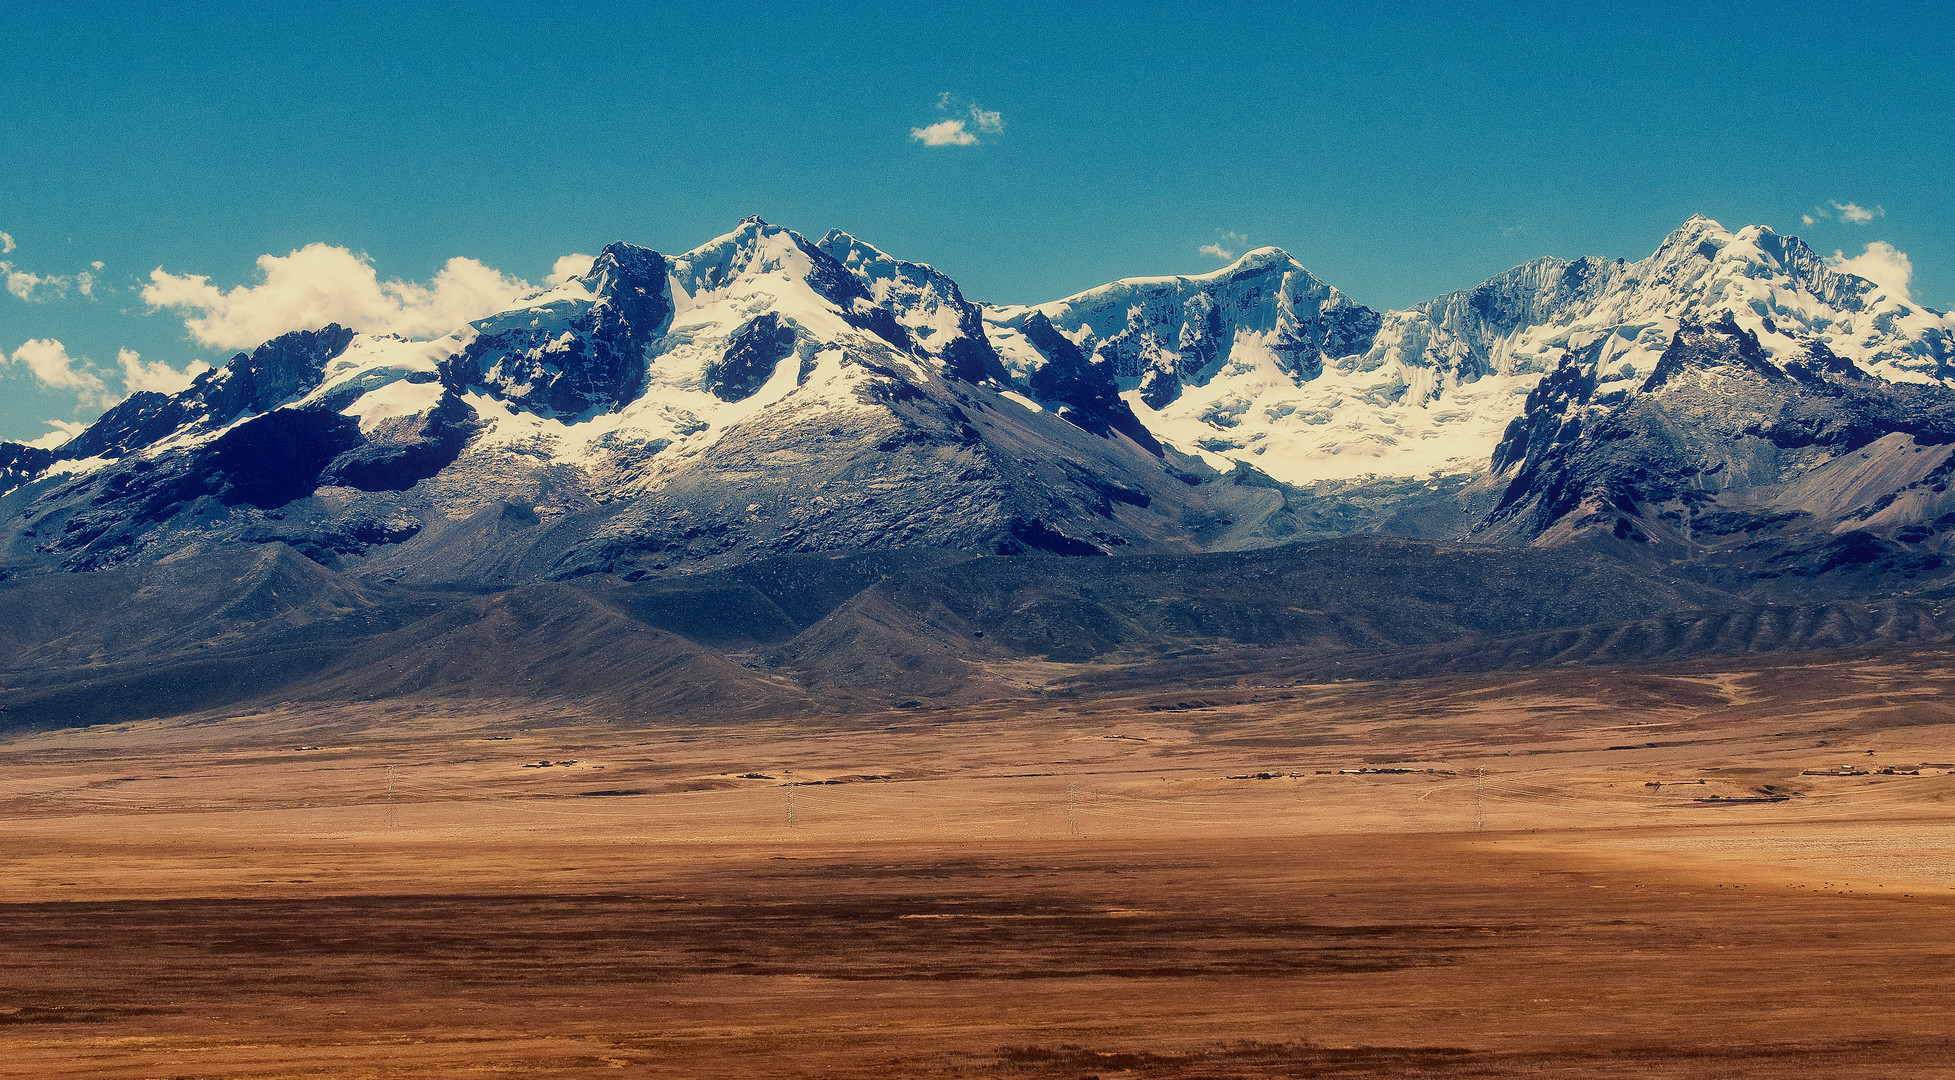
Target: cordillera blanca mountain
pixel 1729 417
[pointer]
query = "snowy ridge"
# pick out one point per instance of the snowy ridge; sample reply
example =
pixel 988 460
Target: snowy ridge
pixel 939 322
pixel 1263 363
pixel 755 321
pixel 637 368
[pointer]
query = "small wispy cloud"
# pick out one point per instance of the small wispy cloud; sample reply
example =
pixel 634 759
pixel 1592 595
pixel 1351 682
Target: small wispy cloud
pixel 955 129
pixel 944 133
pixel 1844 212
pixel 1858 215
pixel 41 288
pixel 35 288
pixel 1225 245
pixel 59 432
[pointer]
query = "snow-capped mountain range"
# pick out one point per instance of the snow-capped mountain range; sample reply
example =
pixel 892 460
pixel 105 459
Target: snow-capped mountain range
pixel 1261 362
pixel 766 393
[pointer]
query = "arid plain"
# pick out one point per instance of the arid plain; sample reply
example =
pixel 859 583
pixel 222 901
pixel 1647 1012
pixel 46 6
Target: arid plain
pixel 1732 870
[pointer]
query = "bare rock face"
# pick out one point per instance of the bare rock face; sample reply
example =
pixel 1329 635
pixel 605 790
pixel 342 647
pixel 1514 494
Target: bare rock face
pixel 575 355
pixel 20 463
pixel 1087 391
pixel 402 451
pixel 279 371
pixel 1722 456
pixel 751 358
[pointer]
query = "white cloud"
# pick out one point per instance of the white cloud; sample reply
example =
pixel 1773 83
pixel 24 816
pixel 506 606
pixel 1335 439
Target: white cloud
pixel 570 266
pixel 47 360
pixel 320 284
pixel 1847 213
pixel 1857 215
pixel 1880 264
pixel 49 363
pixel 1224 246
pixel 156 376
pixel 944 133
pixel 40 288
pixel 33 288
pixel 61 431
pixel 953 132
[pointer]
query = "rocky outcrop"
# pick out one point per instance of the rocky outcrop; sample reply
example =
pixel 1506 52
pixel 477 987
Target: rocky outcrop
pixel 935 317
pixel 1086 390
pixel 575 356
pixel 1723 454
pixel 751 357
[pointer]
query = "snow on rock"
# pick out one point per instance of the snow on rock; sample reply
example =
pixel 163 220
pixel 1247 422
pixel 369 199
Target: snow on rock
pixel 758 321
pixel 1209 362
pixel 1261 362
pixel 927 303
pixel 760 346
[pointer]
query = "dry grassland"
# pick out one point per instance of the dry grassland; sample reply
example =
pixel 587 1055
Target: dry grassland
pixel 1699 874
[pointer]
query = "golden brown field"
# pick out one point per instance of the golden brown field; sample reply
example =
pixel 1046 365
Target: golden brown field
pixel 1263 882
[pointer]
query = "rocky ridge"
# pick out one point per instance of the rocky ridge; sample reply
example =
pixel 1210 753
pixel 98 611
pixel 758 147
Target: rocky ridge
pixel 1264 364
pixel 764 395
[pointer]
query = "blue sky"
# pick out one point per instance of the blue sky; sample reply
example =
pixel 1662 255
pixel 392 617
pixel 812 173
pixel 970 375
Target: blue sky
pixel 1398 151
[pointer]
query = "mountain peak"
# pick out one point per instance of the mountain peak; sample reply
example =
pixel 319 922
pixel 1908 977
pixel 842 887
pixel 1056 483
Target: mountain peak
pixel 856 253
pixel 619 261
pixel 1263 256
pixel 1255 260
pixel 1692 235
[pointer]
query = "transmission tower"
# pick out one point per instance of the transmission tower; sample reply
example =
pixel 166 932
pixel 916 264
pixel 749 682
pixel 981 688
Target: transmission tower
pixel 1072 809
pixel 790 799
pixel 1480 801
pixel 391 822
